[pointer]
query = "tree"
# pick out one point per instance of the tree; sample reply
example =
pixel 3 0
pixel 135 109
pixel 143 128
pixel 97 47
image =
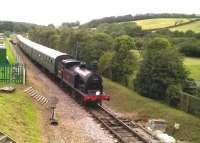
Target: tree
pixel 190 47
pixel 162 66
pixel 123 62
pixel 105 64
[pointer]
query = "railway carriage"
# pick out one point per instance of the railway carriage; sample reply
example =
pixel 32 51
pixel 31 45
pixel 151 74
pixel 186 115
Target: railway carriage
pixel 85 84
pixel 46 57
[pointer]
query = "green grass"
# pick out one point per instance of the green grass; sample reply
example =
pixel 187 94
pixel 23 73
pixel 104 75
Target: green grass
pixel 192 26
pixel 159 22
pixel 10 55
pixel 129 102
pixel 19 118
pixel 193 66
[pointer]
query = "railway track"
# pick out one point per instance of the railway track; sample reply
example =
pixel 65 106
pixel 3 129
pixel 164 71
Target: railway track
pixel 125 131
pixel 5 139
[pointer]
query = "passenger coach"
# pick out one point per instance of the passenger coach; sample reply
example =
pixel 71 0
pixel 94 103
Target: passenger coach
pixel 43 55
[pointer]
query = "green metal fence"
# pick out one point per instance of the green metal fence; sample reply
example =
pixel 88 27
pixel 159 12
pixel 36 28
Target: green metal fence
pixel 12 74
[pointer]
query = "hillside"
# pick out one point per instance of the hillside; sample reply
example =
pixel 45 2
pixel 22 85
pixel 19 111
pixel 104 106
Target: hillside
pixel 160 22
pixel 192 26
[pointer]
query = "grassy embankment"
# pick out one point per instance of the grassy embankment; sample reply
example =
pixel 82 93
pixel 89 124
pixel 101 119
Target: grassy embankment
pixel 19 117
pixel 10 55
pixel 192 26
pixel 160 22
pixel 136 106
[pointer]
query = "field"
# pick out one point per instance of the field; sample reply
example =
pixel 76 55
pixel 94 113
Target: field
pixel 136 107
pixel 10 55
pixel 160 22
pixel 192 26
pixel 193 66
pixel 19 118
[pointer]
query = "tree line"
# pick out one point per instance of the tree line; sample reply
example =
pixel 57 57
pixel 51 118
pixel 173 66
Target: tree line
pixel 15 27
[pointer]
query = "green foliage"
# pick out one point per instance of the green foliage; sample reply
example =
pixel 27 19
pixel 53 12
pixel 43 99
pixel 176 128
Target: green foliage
pixel 123 62
pixel 161 67
pixel 105 64
pixel 173 94
pixel 190 47
pixel 45 35
pixel 70 24
pixel 82 44
pixel 118 29
pixel 8 26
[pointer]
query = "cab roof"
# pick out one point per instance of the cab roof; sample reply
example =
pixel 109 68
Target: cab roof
pixel 66 61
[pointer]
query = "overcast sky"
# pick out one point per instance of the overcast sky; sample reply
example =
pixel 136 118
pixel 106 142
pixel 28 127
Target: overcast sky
pixel 58 11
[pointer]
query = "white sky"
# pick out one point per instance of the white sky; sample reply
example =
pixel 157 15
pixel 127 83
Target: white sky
pixel 58 11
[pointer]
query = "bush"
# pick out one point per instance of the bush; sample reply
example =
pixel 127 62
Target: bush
pixel 174 94
pixel 190 48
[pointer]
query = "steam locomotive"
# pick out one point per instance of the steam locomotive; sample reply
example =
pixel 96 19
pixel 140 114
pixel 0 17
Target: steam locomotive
pixel 86 85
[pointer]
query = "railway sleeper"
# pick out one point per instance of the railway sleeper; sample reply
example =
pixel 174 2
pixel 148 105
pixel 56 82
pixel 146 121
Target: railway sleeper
pixel 39 98
pixel 37 95
pixel 33 94
pixel 28 89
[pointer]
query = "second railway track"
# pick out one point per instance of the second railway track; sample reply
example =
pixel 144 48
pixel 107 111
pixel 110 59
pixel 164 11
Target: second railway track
pixel 125 132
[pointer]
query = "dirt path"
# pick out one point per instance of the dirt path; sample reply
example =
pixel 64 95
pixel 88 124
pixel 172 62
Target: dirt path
pixel 75 124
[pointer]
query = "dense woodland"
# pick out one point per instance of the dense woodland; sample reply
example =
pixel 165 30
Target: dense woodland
pixel 111 49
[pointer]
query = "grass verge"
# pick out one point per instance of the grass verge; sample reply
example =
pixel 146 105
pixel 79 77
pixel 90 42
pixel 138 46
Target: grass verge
pixel 9 53
pixel 130 103
pixel 19 118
